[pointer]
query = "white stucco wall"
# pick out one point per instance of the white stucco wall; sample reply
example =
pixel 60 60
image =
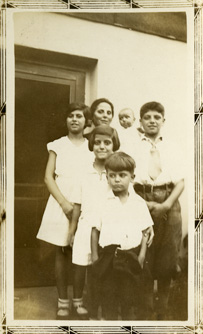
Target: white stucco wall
pixel 133 68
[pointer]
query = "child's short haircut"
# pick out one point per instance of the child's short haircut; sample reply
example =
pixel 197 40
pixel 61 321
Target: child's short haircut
pixel 120 161
pixel 79 106
pixel 104 130
pixel 155 106
pixel 97 102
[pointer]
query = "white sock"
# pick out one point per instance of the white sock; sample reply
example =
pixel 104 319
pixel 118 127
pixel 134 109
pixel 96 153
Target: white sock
pixel 77 301
pixel 63 302
pixel 63 306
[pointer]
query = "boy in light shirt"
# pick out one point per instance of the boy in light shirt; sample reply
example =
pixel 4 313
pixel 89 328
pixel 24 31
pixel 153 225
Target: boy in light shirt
pixel 120 235
pixel 160 181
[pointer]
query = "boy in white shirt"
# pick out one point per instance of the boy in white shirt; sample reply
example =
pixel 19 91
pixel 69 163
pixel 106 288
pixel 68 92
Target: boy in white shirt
pixel 120 234
pixel 160 181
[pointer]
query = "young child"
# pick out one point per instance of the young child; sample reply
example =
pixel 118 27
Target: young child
pixel 88 198
pixel 69 157
pixel 126 118
pixel 120 234
pixel 160 183
pixel 128 133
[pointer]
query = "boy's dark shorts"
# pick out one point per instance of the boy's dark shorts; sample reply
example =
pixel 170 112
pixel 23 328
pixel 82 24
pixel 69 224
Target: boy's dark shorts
pixel 112 257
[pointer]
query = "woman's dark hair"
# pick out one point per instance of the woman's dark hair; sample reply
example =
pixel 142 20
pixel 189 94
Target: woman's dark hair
pixel 79 106
pixel 104 130
pixel 155 106
pixel 97 102
pixel 120 161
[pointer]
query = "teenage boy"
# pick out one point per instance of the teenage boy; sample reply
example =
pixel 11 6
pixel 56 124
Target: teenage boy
pixel 160 182
pixel 119 242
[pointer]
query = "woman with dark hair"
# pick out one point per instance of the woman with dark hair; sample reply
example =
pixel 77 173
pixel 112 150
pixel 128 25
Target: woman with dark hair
pixel 69 157
pixel 101 113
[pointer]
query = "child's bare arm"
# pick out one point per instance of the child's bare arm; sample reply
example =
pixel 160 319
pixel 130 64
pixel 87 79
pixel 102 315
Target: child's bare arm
pixel 94 244
pixel 75 217
pixel 49 180
pixel 74 222
pixel 143 249
pixel 150 233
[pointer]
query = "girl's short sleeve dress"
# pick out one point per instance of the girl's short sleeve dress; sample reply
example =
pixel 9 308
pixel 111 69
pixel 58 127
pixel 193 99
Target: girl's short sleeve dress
pixel 71 163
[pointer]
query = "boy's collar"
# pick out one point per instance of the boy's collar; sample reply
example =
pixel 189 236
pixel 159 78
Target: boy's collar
pixel 111 195
pixel 158 139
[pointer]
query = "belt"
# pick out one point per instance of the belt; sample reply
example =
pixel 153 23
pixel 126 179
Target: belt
pixel 150 188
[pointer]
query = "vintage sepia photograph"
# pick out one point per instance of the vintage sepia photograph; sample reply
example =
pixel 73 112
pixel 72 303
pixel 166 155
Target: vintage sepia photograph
pixel 100 147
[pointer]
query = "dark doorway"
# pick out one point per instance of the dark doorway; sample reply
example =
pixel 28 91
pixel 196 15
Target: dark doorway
pixel 42 93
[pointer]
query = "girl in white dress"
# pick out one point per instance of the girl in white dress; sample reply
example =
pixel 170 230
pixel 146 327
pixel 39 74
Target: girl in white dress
pixel 88 198
pixel 69 157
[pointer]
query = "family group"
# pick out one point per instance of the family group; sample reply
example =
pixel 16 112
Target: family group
pixel 114 211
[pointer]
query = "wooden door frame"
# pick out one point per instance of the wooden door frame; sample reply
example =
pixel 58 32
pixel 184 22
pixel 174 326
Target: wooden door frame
pixel 43 65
